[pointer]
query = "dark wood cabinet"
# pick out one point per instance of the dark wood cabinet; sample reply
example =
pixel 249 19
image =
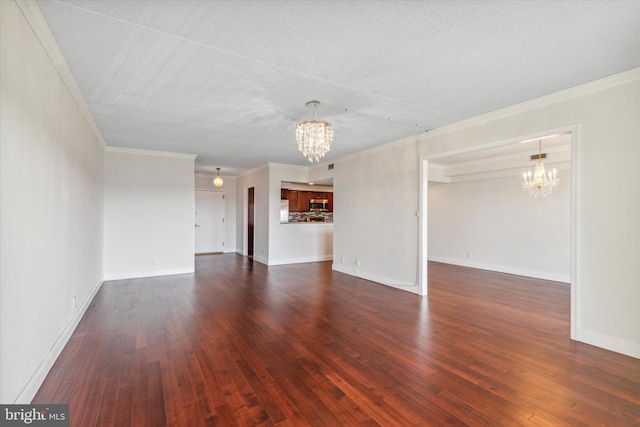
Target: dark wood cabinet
pixel 299 200
pixel 292 196
pixel 303 201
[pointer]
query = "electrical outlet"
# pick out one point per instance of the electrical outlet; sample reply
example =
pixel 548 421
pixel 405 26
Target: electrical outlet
pixel 357 261
pixel 469 255
pixel 342 258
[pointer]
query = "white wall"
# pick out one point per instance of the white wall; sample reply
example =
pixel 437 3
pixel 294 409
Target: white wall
pixel 375 222
pixel 51 225
pixel 320 172
pixel 294 243
pixel 258 179
pixel 501 227
pixel 148 214
pixel 606 195
pixel 205 182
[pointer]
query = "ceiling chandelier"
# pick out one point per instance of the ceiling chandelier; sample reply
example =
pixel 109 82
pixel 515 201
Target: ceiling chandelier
pixel 541 183
pixel 314 136
pixel 217 181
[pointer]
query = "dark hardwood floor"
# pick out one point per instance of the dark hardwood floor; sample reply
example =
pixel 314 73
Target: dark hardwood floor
pixel 238 343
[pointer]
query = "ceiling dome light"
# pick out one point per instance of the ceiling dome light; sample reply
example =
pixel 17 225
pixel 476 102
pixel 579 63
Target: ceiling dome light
pixel 314 136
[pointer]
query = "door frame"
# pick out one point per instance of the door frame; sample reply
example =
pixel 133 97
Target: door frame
pixel 246 250
pixel 572 129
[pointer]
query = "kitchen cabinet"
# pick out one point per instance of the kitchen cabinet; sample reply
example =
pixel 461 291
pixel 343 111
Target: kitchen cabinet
pixel 292 196
pixel 299 200
pixel 303 201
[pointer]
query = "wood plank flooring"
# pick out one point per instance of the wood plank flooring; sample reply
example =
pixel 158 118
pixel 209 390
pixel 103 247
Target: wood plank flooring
pixel 240 344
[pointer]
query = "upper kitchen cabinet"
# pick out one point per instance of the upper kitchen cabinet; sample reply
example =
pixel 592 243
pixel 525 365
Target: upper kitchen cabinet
pixel 292 196
pixel 299 198
pixel 303 200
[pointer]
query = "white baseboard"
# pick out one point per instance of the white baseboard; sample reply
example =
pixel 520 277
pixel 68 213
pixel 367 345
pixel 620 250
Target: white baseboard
pixel 147 273
pixel 261 259
pixel 319 258
pixel 33 385
pixel 564 278
pixel 354 271
pixel 608 343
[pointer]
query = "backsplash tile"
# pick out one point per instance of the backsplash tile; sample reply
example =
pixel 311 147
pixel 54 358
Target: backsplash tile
pixel 312 216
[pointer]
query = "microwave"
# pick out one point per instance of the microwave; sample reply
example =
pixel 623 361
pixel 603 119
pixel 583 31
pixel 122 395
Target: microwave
pixel 318 205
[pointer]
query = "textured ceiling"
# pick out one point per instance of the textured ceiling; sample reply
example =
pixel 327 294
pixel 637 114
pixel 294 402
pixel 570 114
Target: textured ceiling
pixel 229 80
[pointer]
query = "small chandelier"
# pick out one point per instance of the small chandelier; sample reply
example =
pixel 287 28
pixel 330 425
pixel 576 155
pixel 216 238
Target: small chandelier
pixel 217 181
pixel 541 183
pixel 314 137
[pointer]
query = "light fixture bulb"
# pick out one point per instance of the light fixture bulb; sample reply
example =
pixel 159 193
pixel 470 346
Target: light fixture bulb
pixel 217 181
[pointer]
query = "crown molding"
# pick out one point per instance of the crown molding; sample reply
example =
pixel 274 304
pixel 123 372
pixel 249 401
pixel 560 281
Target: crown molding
pixel 149 152
pixel 34 17
pixel 287 166
pixel 543 101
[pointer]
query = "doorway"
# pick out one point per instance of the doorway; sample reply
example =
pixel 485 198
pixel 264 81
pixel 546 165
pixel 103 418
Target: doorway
pixel 250 221
pixel 505 156
pixel 209 222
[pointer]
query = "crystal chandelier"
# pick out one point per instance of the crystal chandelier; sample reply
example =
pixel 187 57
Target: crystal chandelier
pixel 314 137
pixel 541 183
pixel 217 181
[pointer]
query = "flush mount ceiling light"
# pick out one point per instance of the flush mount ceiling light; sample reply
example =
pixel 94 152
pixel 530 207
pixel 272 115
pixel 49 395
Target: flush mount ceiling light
pixel 541 183
pixel 314 136
pixel 217 181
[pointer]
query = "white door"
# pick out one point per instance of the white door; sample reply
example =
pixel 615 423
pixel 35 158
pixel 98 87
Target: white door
pixel 209 221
